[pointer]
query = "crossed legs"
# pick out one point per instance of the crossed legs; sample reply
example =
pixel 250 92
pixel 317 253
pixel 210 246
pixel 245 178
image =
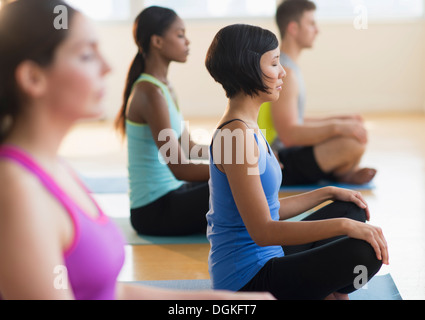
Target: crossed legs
pixel 341 157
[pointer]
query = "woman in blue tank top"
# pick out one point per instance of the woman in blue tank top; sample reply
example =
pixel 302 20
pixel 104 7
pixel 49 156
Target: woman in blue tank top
pixel 168 192
pixel 253 247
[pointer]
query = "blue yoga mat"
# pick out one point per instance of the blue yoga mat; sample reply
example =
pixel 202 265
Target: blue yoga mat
pixel 132 238
pixel 120 185
pixel 106 184
pixel 379 287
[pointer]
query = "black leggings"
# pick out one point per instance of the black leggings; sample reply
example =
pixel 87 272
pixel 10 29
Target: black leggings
pixel 179 212
pixel 315 270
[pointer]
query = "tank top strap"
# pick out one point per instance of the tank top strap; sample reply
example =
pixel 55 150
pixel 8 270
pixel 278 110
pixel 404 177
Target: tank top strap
pixel 151 79
pixel 230 121
pixel 223 125
pixel 166 91
pixel 20 157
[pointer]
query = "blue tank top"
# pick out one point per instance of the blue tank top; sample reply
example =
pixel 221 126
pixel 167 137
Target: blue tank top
pixel 234 258
pixel 149 176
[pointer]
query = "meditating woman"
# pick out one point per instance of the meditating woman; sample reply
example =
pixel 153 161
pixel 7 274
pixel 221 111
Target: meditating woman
pixel 168 192
pixel 55 242
pixel 253 247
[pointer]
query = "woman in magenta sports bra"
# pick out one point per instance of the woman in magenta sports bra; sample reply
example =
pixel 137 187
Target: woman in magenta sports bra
pixel 55 242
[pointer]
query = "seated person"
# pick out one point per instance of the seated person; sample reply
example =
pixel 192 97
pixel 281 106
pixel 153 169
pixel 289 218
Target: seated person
pixel 253 246
pixel 310 149
pixel 168 192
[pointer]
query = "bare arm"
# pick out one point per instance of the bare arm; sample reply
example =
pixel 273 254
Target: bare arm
pixel 285 116
pixel 253 208
pixel 149 105
pixel 31 243
pixel 295 205
pixel 355 117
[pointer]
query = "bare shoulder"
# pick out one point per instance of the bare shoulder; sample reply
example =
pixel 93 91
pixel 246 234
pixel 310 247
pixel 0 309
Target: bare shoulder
pixel 233 128
pixel 146 94
pixel 24 202
pixel 233 144
pixel 17 184
pixel 31 242
pixel 145 100
pixel 147 90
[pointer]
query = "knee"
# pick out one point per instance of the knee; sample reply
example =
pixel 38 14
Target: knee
pixel 364 256
pixel 352 148
pixel 350 210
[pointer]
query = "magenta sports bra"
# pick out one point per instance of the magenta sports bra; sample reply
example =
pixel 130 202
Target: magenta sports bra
pixel 96 255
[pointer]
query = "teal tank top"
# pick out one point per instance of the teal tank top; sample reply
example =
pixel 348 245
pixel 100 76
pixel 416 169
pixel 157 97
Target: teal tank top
pixel 149 176
pixel 234 258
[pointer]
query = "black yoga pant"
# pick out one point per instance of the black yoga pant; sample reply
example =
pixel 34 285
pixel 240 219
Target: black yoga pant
pixel 179 212
pixel 315 270
pixel 300 167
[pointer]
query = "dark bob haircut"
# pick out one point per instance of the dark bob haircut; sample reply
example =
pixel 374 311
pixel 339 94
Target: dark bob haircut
pixel 233 59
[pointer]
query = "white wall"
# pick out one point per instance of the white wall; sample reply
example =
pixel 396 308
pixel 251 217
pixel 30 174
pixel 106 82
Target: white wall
pixel 375 70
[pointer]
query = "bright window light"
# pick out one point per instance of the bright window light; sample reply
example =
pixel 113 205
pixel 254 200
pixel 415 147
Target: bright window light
pixel 375 9
pixel 103 10
pixel 199 9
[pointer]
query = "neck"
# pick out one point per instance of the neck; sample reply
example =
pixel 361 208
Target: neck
pixel 40 135
pixel 290 48
pixel 245 108
pixel 157 67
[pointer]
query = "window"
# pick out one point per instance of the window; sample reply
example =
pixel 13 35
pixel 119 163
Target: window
pixel 374 9
pixel 218 8
pixel 123 10
pixel 103 10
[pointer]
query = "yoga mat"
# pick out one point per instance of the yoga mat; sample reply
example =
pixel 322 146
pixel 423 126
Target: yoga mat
pixel 380 287
pixel 133 238
pixel 106 184
pixel 321 184
pixel 120 185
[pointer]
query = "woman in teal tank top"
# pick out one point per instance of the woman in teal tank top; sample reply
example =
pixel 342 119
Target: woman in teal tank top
pixel 169 194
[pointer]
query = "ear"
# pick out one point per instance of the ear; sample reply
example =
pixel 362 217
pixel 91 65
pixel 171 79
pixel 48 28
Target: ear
pixel 292 28
pixel 156 41
pixel 30 79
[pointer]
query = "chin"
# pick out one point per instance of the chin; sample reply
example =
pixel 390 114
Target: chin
pixel 95 113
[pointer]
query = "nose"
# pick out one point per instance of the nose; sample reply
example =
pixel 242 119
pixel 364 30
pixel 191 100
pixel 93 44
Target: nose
pixel 283 73
pixel 106 67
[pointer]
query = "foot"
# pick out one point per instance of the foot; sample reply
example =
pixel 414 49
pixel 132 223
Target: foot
pixel 360 176
pixel 337 296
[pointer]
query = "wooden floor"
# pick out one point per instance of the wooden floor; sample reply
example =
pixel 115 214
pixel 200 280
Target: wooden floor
pixel 166 262
pixel 396 149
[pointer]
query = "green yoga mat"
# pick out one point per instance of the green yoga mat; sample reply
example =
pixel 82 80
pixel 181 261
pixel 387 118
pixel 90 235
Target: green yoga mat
pixel 133 238
pixel 380 287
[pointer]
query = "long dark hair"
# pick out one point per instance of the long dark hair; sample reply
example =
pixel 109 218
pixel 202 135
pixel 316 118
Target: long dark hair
pixel 151 21
pixel 27 32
